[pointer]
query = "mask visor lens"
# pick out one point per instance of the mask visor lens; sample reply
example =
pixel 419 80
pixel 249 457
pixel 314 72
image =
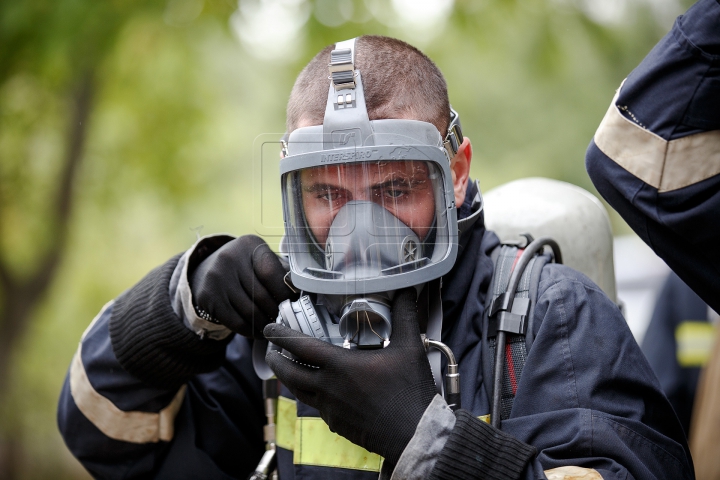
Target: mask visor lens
pixel 364 220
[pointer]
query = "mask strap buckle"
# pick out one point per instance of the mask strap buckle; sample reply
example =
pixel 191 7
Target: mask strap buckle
pixel 454 137
pixel 341 67
pixel 346 122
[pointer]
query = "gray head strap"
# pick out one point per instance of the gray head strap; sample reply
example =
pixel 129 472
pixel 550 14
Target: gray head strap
pixel 476 208
pixel 346 122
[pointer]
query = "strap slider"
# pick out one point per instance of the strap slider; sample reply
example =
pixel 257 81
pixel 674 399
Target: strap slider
pixel 342 70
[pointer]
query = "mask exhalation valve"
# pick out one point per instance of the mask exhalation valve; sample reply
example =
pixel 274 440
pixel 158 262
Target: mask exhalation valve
pixel 365 322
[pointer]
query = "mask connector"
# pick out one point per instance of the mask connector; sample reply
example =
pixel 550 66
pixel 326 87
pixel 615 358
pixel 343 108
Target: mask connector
pixel 365 322
pixel 452 377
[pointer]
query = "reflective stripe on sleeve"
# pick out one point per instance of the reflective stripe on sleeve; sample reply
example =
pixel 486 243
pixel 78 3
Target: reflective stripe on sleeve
pixel 572 473
pixel 132 427
pixel 664 165
pixel 695 340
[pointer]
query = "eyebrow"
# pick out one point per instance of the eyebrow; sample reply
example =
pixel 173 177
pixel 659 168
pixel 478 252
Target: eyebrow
pixel 392 183
pixel 320 187
pixel 402 182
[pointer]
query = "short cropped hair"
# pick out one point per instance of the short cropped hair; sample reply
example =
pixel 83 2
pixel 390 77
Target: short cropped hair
pixel 399 81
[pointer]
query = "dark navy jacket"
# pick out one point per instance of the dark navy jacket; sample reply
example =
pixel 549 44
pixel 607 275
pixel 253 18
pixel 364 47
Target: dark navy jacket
pixel 587 396
pixel 656 156
pixel 679 323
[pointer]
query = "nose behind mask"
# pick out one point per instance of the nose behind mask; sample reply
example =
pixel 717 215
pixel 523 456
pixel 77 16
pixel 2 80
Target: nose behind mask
pixel 366 241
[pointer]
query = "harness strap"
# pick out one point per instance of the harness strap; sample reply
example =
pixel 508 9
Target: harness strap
pixel 476 208
pixel 517 345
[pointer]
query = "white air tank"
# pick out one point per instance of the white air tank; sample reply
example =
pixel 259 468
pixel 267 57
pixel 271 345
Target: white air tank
pixel 574 217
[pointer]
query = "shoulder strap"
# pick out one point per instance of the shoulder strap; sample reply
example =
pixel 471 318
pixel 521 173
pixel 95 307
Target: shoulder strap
pixel 534 283
pixel 517 344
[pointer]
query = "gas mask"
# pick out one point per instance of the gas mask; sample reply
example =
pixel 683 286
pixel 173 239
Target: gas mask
pixel 369 208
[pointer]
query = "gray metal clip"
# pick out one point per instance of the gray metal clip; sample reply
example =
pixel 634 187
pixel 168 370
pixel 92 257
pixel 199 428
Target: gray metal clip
pixel 508 315
pixel 454 137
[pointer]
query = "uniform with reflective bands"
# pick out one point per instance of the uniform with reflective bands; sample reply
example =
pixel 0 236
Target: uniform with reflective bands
pixel 572 403
pixel 656 155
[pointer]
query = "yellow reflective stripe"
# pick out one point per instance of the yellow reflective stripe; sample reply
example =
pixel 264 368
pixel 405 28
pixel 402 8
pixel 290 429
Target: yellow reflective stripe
pixel 485 418
pixel 285 427
pixel 694 343
pixel 316 445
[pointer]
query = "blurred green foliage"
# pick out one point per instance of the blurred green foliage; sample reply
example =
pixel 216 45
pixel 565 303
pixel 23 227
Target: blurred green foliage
pixel 180 97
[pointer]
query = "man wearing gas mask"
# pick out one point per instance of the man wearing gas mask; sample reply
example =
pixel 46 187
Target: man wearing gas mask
pixel 385 254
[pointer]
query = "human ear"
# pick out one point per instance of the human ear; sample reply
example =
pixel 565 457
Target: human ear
pixel 460 169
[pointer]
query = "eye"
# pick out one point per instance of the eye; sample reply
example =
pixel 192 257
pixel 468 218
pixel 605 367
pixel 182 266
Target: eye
pixel 394 192
pixel 329 196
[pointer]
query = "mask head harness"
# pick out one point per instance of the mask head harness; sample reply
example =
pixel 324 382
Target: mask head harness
pixel 363 239
pixel 369 208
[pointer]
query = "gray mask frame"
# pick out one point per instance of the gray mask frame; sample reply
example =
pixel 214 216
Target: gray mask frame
pixel 348 136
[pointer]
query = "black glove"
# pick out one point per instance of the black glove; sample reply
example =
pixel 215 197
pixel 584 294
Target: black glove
pixel 241 285
pixel 374 398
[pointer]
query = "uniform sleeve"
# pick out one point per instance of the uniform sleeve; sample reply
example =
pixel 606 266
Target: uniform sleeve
pixel 146 397
pixel 586 400
pixel 676 344
pixel 656 154
pixel 151 342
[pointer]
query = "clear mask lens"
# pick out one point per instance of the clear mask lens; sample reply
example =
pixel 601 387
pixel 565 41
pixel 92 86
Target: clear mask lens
pixel 364 220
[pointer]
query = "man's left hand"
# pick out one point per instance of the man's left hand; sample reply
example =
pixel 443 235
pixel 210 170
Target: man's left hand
pixel 374 398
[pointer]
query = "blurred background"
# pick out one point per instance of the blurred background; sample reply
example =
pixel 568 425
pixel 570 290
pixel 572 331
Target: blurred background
pixel 127 128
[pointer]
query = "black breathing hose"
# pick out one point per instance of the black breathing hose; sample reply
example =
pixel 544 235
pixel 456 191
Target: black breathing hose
pixel 529 252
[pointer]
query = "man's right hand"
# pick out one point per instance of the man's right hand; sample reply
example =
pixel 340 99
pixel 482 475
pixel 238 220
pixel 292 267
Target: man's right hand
pixel 241 285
